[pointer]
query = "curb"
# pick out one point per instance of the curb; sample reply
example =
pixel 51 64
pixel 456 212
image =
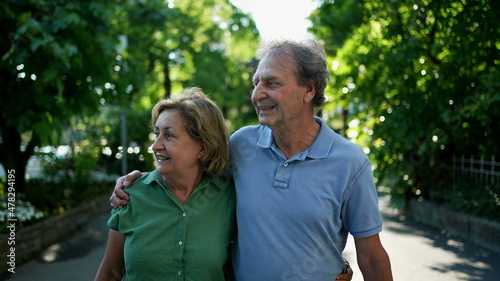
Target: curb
pixel 476 230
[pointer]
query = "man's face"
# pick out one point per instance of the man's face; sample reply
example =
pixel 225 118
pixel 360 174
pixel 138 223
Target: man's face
pixel 277 97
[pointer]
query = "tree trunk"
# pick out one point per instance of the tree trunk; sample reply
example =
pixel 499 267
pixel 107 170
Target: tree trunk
pixel 13 159
pixel 167 84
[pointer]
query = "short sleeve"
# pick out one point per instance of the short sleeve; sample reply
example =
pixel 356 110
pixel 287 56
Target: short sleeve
pixel 114 220
pixel 361 212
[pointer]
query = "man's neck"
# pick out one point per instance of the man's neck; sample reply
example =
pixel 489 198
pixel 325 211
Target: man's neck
pixel 295 139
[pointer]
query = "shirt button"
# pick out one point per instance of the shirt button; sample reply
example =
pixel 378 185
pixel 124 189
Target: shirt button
pixel 183 214
pixel 180 243
pixel 179 272
pixel 285 165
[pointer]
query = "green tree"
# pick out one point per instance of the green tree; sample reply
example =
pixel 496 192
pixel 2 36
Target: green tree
pixel 63 62
pixel 420 81
pixel 171 45
pixel 56 58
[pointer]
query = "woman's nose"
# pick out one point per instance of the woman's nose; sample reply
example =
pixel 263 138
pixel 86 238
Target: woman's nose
pixel 156 144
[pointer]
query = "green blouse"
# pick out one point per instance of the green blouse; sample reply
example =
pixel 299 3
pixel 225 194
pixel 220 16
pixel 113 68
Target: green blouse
pixel 166 240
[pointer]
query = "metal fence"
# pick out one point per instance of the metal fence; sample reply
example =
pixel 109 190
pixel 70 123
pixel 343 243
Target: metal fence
pixel 471 186
pixel 476 186
pixel 480 170
pixel 469 173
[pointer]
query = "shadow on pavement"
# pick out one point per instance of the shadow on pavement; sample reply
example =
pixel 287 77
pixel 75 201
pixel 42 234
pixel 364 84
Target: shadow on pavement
pixel 475 262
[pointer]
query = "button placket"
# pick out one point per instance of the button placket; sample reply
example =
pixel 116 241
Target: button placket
pixel 283 174
pixel 180 238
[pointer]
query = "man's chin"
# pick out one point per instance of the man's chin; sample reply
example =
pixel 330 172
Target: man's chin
pixel 265 121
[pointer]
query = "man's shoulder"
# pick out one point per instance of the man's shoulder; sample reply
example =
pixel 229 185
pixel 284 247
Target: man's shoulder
pixel 249 128
pixel 247 132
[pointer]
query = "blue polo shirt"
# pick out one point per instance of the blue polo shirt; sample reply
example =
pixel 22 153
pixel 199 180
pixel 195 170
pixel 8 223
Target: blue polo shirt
pixel 294 215
pixel 167 240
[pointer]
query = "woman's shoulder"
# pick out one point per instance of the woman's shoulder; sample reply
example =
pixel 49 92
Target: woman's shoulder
pixel 222 181
pixel 144 181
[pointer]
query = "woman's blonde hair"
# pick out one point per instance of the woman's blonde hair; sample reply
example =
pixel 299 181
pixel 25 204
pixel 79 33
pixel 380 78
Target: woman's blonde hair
pixel 204 122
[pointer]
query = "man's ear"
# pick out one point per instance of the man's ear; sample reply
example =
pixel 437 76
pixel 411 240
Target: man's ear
pixel 311 93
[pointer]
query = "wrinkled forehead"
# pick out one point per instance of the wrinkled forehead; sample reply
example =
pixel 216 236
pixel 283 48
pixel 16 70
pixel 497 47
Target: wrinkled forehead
pixel 277 60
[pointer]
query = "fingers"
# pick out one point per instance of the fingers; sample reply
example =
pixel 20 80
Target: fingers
pixel 346 276
pixel 119 182
pixel 130 177
pixel 121 195
pixel 120 198
pixel 343 276
pixel 116 202
pixel 127 180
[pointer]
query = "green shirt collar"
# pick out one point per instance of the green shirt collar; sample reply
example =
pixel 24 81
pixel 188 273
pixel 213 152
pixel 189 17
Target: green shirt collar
pixel 208 179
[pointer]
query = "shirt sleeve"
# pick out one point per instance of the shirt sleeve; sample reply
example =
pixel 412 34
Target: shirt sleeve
pixel 114 220
pixel 360 210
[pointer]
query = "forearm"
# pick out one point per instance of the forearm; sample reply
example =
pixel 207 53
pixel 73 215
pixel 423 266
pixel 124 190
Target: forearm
pixel 112 266
pixel 373 260
pixel 376 268
pixel 106 274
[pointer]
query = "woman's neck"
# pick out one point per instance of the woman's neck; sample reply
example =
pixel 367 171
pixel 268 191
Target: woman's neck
pixel 182 187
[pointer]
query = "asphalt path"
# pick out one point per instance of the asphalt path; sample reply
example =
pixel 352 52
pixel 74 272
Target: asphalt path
pixel 417 252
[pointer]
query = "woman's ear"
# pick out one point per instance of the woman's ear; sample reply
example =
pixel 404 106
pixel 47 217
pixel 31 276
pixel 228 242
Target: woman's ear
pixel 202 152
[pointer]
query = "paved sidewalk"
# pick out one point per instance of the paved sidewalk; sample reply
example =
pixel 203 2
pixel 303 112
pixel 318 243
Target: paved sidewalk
pixel 417 252
pixel 76 258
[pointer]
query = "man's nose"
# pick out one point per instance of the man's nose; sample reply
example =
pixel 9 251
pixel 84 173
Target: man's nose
pixel 258 92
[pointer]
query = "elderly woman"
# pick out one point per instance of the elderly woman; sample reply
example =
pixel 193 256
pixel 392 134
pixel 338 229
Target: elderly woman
pixel 181 217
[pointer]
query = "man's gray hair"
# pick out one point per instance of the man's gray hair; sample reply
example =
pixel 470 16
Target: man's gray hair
pixel 310 60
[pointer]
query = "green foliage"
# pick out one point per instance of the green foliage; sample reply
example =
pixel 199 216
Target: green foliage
pixel 170 46
pixel 138 136
pixel 477 199
pixel 420 80
pixel 25 213
pixel 66 65
pixel 55 59
pixel 53 194
pixel 56 194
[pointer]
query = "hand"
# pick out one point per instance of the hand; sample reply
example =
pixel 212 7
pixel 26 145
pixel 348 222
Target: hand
pixel 347 275
pixel 120 198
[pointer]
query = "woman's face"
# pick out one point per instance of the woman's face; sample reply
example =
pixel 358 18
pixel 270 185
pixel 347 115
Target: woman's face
pixel 176 153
